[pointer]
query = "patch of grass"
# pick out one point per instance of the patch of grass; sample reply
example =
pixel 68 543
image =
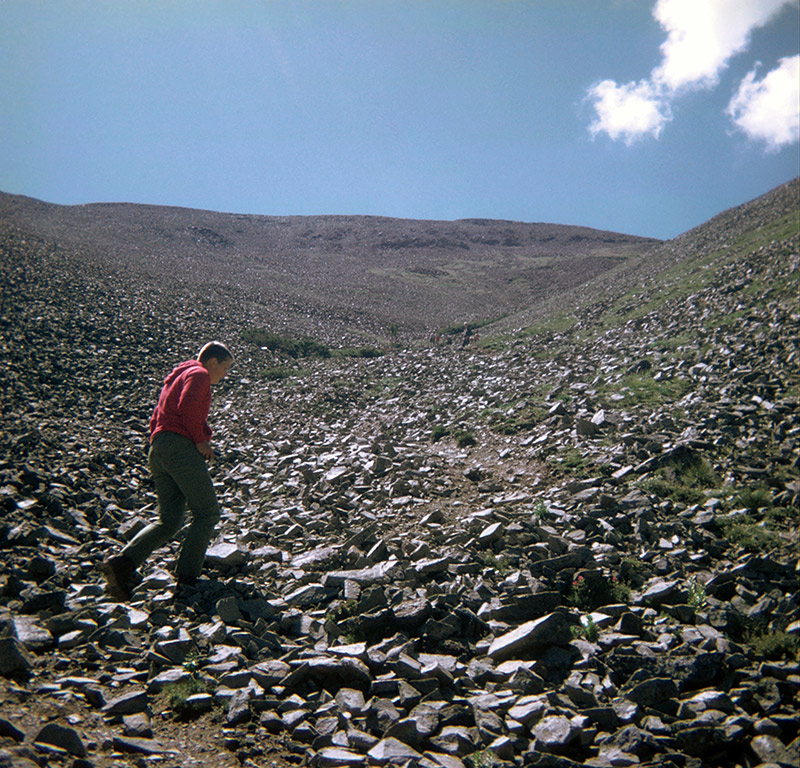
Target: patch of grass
pixel 303 347
pixel 573 462
pixel 474 325
pixel 558 323
pixel 500 564
pixel 277 373
pixel 772 645
pixel 464 438
pixel 519 420
pixel 685 478
pixel 753 499
pixel 178 693
pixel 744 532
pixel 644 389
pixel 484 759
pixel 382 386
pixel 438 432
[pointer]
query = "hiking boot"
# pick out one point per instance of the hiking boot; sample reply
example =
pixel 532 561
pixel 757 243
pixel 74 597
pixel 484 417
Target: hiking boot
pixel 120 574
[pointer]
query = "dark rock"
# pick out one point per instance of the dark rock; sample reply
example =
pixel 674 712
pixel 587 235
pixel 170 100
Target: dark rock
pixel 62 737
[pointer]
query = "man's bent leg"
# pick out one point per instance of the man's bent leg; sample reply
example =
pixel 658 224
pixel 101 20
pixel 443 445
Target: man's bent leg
pixel 189 472
pixel 171 505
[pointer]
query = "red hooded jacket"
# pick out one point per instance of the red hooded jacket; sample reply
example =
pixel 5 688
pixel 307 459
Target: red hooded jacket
pixel 184 403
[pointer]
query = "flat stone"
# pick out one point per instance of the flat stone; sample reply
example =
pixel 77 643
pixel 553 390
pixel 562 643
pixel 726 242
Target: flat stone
pixel 138 746
pixel 127 703
pixel 387 750
pixel 333 757
pixel 62 737
pixel 555 732
pixel 549 630
pixel 227 554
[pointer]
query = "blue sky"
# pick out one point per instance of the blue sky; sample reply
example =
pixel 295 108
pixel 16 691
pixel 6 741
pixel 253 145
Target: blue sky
pixel 639 116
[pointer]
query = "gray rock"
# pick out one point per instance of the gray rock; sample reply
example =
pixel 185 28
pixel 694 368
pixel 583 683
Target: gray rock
pixel 137 725
pixel 226 554
pixel 127 703
pixel 770 749
pixel 549 630
pixel 391 750
pixel 332 757
pixel 228 610
pixel 239 707
pixel 32 635
pixel 62 737
pixel 555 733
pixel 14 660
pixel 527 709
pixel 454 740
pixel 137 746
pixel 656 693
pixel 270 672
pixel 10 731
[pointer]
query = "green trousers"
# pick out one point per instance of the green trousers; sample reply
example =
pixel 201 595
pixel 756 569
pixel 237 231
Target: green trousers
pixel 182 479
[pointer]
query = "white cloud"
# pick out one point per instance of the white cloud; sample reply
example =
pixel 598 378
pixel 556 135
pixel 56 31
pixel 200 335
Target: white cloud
pixel 768 110
pixel 702 36
pixel 627 112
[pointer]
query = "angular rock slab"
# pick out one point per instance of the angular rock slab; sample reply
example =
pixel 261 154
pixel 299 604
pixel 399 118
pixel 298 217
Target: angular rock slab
pixel 552 629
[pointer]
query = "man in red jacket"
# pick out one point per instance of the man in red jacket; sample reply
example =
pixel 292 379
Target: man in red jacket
pixel 179 448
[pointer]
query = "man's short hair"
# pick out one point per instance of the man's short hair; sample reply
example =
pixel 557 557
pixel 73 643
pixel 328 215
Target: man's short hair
pixel 215 349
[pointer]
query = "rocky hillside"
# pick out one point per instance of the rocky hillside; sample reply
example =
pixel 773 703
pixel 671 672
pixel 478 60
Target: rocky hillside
pixel 571 542
pixel 340 279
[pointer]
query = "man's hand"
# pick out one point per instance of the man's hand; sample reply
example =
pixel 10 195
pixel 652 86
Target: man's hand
pixel 205 451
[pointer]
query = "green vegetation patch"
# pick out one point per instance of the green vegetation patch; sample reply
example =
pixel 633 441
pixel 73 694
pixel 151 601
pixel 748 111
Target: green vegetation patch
pixel 572 462
pixel 519 419
pixel 745 532
pixel 685 478
pixel 178 693
pixel 644 389
pixel 304 346
pixel 592 590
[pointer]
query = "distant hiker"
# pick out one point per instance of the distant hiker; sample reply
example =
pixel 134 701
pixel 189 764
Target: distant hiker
pixel 467 335
pixel 179 449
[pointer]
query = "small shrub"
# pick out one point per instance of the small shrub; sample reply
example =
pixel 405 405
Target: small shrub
pixel 744 532
pixel 438 432
pixel 587 630
pixel 591 590
pixel 368 352
pixel 753 499
pixel 539 510
pixel 591 630
pixel 500 564
pixel 773 645
pixel 276 373
pixel 697 593
pixel 464 438
pixel 484 759
pixel 178 693
pixel 683 479
pixel 303 347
